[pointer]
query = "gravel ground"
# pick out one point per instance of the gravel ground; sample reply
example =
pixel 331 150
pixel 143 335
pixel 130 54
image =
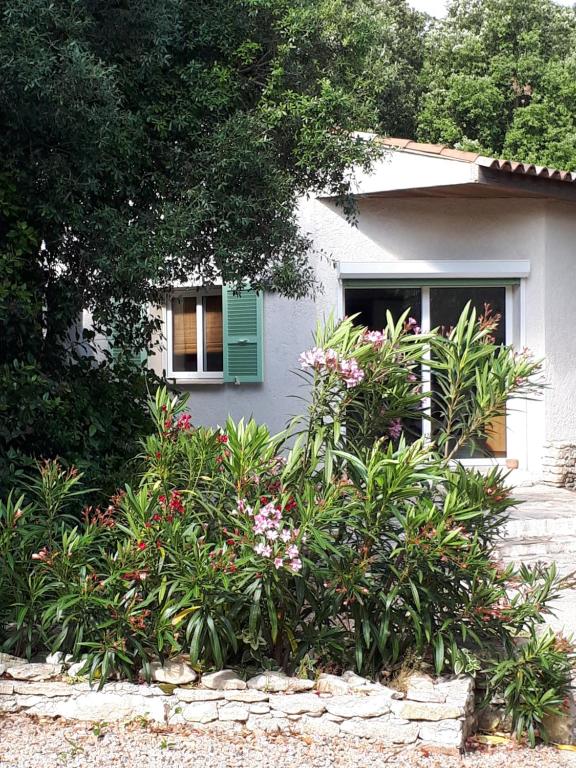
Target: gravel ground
pixel 30 743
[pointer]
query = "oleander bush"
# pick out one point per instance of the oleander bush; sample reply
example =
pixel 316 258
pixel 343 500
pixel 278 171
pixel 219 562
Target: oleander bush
pixel 345 540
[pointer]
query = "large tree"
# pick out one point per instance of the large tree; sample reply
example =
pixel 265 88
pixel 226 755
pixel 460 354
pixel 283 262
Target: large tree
pixel 144 142
pixel 397 60
pixel 151 139
pixel 499 75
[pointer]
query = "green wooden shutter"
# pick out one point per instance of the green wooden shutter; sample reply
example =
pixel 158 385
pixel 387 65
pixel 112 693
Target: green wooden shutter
pixel 243 335
pixel 137 357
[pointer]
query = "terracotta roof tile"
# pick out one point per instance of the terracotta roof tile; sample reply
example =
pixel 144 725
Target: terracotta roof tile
pixel 506 166
pixel 459 154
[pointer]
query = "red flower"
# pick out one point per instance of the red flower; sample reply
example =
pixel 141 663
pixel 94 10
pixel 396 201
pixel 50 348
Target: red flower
pixel 158 455
pixel 183 422
pixel 169 518
pixel 176 504
pixel 264 500
pixel 159 545
pixel 141 546
pixel 222 438
pixel 157 518
pixel 162 499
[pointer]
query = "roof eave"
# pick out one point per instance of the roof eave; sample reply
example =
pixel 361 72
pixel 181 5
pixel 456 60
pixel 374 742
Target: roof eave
pixel 523 183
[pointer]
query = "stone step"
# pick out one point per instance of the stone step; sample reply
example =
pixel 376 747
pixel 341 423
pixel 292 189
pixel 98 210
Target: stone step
pixel 538 528
pixel 532 539
pixel 543 529
pixel 517 550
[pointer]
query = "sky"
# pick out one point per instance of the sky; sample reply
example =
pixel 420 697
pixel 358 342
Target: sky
pixel 437 7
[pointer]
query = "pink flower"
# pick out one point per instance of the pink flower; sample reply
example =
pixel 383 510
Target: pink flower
pixel 411 326
pixel 271 534
pixel 268 510
pixel 374 337
pixel 285 535
pixel 395 429
pixel 296 564
pixel 296 533
pixel 260 524
pixel 313 358
pixel 243 507
pixel 263 549
pixel 278 562
pixel 351 373
pixel 331 359
pixel 42 555
pixel 292 552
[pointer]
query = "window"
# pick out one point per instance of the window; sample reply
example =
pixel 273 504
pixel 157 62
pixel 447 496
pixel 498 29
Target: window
pixel 215 335
pixel 435 304
pixel 197 335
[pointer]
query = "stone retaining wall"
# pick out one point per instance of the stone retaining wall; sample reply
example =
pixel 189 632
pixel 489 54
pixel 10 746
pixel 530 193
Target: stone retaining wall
pixel 433 711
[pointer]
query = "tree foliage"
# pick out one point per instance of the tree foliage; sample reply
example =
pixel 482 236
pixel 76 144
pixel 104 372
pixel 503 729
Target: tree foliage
pixel 499 77
pixel 145 143
pixel 150 141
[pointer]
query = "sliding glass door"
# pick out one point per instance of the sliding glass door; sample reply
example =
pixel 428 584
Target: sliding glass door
pixel 436 304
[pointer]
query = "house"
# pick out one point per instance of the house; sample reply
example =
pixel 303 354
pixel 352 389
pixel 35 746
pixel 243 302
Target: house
pixel 436 228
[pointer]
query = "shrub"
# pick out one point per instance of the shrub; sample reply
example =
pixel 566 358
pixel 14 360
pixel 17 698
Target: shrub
pixel 344 540
pixel 534 682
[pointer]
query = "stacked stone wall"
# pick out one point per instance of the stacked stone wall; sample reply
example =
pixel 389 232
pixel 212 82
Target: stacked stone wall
pixel 559 464
pixel 430 711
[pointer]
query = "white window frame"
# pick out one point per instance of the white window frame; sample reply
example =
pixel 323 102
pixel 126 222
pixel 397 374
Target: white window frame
pixel 426 325
pixel 199 376
pixel 516 421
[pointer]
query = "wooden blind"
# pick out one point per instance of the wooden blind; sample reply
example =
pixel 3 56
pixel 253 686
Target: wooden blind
pixel 496 439
pixel 213 332
pixel 184 325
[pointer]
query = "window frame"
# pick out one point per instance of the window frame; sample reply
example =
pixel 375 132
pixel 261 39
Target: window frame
pixel 199 376
pixel 426 325
pixel 436 278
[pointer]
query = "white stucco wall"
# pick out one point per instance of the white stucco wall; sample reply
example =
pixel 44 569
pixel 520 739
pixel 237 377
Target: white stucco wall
pixel 438 229
pixel 395 230
pixel 288 327
pixel 560 337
